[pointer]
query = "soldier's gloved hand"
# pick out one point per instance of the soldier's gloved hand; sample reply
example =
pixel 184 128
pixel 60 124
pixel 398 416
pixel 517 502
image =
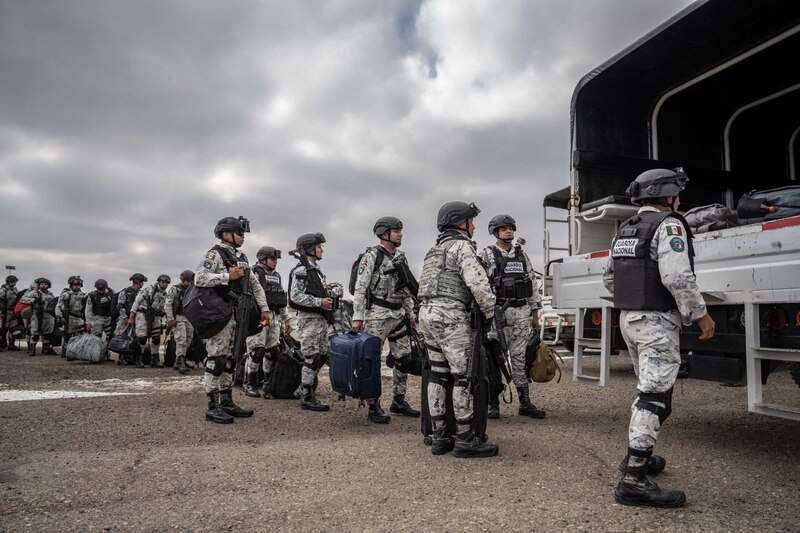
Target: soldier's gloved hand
pixel 235 273
pixel 287 328
pixel 326 304
pixel 413 322
pixel 132 318
pixel 88 327
pixel 707 327
pixel 357 326
pixel 172 324
pixel 61 320
pixel 265 318
pixel 535 319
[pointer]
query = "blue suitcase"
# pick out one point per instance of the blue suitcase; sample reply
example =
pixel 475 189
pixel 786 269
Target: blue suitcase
pixel 355 365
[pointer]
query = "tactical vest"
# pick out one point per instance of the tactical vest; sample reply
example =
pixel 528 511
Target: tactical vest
pixel 74 301
pixel 177 302
pixel 101 303
pixel 130 297
pixel 273 290
pixel 439 279
pixel 512 282
pixel 380 292
pixel 230 259
pixel 301 307
pixel 637 279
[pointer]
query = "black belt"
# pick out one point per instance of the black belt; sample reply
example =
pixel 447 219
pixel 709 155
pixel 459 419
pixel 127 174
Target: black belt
pixel 154 312
pixel 73 315
pixel 516 303
pixel 387 304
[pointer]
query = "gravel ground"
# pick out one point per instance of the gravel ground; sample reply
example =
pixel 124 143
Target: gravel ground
pixel 150 462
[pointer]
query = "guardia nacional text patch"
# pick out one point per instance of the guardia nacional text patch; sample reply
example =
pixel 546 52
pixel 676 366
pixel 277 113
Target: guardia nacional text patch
pixel 625 248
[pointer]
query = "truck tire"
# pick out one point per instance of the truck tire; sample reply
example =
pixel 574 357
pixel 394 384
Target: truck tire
pixel 794 370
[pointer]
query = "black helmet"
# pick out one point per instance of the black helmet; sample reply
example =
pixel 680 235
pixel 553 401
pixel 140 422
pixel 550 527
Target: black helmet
pixel 452 214
pixel 268 251
pixel 308 241
pixel 235 225
pixel 187 275
pixel 101 284
pixel 73 280
pixel 501 221
pixel 656 183
pixel 385 224
pixel 11 279
pixel 44 280
pixel 139 278
pixel 164 277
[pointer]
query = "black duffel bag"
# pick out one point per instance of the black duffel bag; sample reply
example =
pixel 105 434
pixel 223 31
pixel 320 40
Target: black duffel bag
pixel 206 310
pixel 125 343
pixel 286 369
pixel 772 204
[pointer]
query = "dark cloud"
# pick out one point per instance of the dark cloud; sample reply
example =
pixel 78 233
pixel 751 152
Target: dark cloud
pixel 127 129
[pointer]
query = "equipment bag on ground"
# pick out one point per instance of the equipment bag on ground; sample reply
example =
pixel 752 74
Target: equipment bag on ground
pixel 355 365
pixel 124 343
pixel 541 362
pixel 86 347
pixel 286 370
pixel 771 204
pixel 169 351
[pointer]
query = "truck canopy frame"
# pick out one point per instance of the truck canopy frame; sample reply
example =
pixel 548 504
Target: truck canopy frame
pixel 724 70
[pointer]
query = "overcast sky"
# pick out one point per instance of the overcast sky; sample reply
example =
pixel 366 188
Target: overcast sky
pixel 128 128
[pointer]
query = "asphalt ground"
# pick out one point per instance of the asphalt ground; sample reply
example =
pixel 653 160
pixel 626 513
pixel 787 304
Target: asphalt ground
pixel 150 462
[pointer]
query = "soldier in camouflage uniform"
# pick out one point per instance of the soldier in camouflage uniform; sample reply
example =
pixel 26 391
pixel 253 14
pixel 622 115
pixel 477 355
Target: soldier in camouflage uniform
pixel 100 306
pixel 452 279
pixel 380 309
pixel 125 299
pixel 42 323
pixel 222 267
pixel 147 314
pixel 311 324
pixel 263 348
pixel 69 311
pixel 652 258
pixel 177 322
pixel 512 278
pixel 8 320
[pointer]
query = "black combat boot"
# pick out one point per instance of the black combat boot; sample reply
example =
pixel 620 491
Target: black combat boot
pixel 637 490
pixel 215 413
pixel 311 403
pixel 47 349
pixel 32 346
pixel 140 359
pixel 227 405
pixel 3 340
pixel 526 408
pixel 401 407
pixel 494 408
pixel 250 386
pixel 180 365
pixel 155 360
pixel 267 391
pixel 442 441
pixel 12 345
pixel 470 445
pixel 376 413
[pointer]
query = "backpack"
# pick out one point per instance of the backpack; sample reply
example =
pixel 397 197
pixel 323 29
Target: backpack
pixel 206 310
pixel 711 218
pixel 286 369
pixel 22 310
pixel 354 269
pixel 541 365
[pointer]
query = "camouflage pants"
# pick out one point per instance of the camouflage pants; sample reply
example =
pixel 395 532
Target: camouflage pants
pixel 268 337
pixel 448 336
pixel 653 339
pixel 220 346
pixel 313 332
pixel 100 325
pixel 518 334
pixel 47 327
pixel 153 340
pixel 400 348
pixel 76 326
pixel 182 334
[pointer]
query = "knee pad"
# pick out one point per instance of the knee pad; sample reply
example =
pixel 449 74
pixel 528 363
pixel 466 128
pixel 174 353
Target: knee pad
pixel 439 378
pixel 219 365
pixel 647 402
pixel 230 364
pixel 156 339
pixel 142 340
pixel 257 355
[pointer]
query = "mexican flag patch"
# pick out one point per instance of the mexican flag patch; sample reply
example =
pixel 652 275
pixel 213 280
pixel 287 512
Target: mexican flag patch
pixel 674 230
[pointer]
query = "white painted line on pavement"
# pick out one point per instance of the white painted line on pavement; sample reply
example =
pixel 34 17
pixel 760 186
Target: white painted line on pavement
pixel 18 395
